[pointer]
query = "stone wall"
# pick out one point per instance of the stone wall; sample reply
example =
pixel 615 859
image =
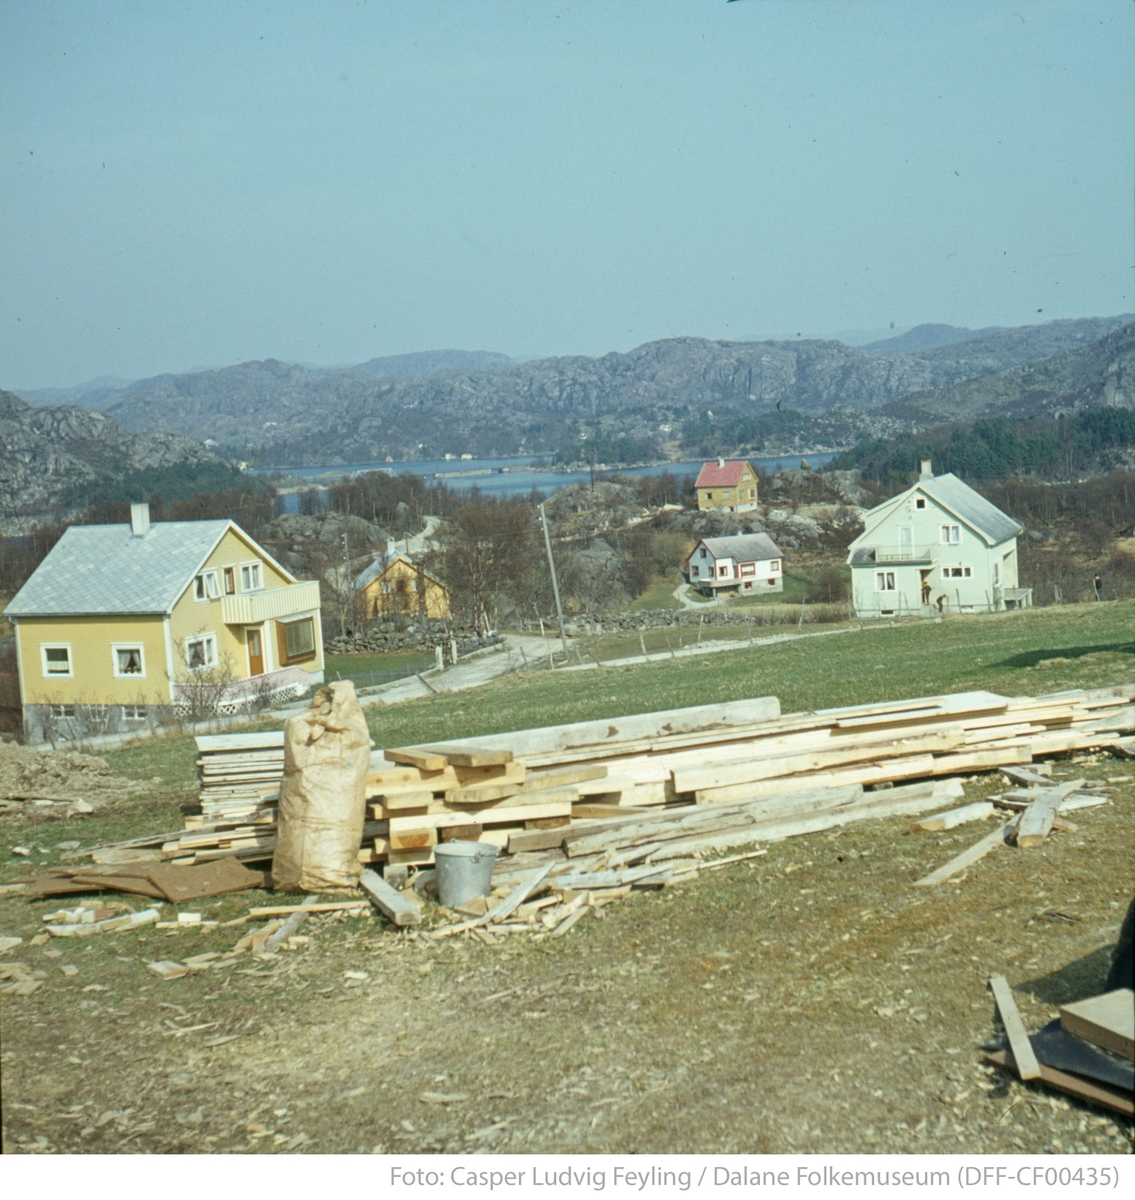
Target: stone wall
pixel 420 634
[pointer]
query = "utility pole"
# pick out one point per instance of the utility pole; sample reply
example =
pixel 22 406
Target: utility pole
pixel 346 573
pixel 555 582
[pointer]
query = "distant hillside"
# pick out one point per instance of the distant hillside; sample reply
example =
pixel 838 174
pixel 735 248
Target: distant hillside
pixel 48 454
pixel 669 398
pixel 1101 374
pixel 926 337
pixel 430 362
pixel 90 395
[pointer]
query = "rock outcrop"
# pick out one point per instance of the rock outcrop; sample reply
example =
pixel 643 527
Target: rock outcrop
pixel 46 452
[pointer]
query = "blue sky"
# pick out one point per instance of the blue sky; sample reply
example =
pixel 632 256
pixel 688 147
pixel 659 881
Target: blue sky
pixel 197 184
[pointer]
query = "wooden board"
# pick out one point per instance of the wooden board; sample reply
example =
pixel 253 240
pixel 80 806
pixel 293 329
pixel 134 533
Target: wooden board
pixel 1027 1065
pixel 1107 1020
pixel 968 857
pixel 633 727
pixel 425 760
pixel 715 776
pixel 1036 821
pixel 460 756
pixel 390 903
pixel 1107 1097
pixel 939 822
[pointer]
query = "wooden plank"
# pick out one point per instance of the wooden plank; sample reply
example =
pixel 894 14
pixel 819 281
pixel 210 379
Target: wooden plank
pixel 977 811
pixel 283 910
pixel 585 735
pixel 567 776
pixel 535 839
pixel 889 771
pixel 461 756
pixel 980 760
pixel 1107 1020
pixel 1027 775
pixel 1036 820
pixel 1027 1065
pixel 390 903
pixel 698 778
pixel 1114 1099
pixel 967 857
pixel 510 814
pixel 411 839
pixel 593 812
pixel 224 742
pixel 426 760
pixel 474 799
pixel 408 798
pixel 461 833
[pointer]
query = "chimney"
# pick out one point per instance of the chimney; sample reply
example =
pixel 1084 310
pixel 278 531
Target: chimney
pixel 924 469
pixel 139 519
pixel 721 462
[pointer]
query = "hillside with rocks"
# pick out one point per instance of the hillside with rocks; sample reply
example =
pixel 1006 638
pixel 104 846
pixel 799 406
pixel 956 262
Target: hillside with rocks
pixel 46 452
pixel 1101 374
pixel 640 404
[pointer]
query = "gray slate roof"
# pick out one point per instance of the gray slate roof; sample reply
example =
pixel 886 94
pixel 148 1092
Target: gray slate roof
pixel 103 570
pixel 745 547
pixel 971 507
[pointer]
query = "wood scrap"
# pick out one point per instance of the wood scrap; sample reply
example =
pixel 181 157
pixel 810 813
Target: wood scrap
pixel 1107 1020
pixel 1036 820
pixel 1027 1065
pixel 967 857
pixel 1112 1098
pixel 940 822
pixel 393 905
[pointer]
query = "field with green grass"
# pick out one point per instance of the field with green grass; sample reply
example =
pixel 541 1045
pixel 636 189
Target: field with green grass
pixel 806 1000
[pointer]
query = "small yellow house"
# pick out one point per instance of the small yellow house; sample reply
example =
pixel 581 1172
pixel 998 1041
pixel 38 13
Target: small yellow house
pixel 123 626
pixel 394 585
pixel 727 486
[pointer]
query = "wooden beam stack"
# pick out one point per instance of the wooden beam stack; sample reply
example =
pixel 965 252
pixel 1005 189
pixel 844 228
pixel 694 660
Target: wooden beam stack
pixel 239 774
pixel 710 772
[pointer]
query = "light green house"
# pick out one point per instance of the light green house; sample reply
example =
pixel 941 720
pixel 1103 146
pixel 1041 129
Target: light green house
pixel 939 547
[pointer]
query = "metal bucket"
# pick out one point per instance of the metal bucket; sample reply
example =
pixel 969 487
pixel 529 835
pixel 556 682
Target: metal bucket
pixel 464 871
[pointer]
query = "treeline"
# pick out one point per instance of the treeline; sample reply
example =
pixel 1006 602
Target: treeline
pixel 996 448
pixel 161 486
pixel 707 435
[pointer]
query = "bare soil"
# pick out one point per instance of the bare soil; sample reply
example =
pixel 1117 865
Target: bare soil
pixel 47 778
pixel 809 1000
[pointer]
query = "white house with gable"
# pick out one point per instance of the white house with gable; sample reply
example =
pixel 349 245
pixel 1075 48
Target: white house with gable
pixel 736 566
pixel 939 547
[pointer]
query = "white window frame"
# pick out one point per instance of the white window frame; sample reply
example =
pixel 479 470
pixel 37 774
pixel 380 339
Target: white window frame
pixel 247 571
pixel 134 712
pixel 115 647
pixel 43 649
pixel 209 641
pixel 885 581
pixel 949 535
pixel 748 569
pixel 207 586
pixel 63 712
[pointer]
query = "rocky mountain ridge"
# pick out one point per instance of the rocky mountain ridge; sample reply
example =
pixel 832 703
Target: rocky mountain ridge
pixel 45 451
pixel 286 414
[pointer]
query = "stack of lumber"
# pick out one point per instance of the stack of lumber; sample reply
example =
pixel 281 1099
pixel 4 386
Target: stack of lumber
pixel 239 775
pixel 531 790
pixel 725 772
pixel 1088 1052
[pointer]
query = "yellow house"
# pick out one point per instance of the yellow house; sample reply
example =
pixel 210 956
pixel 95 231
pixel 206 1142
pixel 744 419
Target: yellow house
pixel 395 585
pixel 727 486
pixel 124 626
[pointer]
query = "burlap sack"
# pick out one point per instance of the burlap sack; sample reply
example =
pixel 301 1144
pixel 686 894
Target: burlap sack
pixel 323 794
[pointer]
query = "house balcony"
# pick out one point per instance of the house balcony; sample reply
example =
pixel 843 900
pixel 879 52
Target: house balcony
pixel 904 554
pixel 277 603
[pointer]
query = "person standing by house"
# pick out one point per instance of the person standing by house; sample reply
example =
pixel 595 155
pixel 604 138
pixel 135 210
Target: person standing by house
pixel 1097 583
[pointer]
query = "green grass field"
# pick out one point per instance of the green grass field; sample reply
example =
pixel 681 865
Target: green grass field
pixel 1029 653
